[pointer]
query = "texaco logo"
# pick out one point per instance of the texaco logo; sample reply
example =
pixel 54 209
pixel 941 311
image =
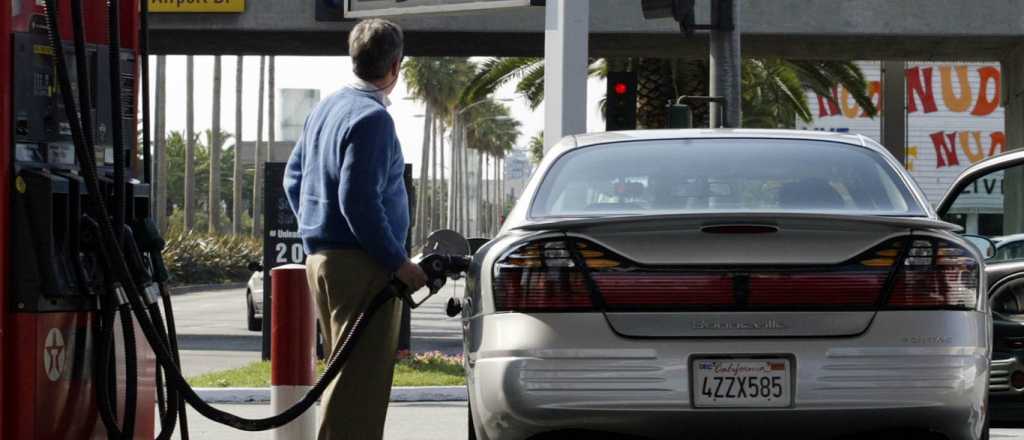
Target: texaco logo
pixel 55 355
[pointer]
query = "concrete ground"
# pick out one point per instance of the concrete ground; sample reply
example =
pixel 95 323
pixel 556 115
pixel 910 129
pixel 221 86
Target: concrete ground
pixel 406 421
pixel 212 334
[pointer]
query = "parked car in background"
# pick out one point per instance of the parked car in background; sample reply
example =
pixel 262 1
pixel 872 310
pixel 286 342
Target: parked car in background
pixel 254 298
pixel 722 284
pixel 254 306
pixel 1004 269
pixel 1008 248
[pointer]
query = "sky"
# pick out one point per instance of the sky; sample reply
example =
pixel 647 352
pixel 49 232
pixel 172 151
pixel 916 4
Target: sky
pixel 326 74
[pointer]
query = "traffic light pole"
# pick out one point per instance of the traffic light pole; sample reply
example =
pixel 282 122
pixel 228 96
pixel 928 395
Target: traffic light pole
pixel 725 63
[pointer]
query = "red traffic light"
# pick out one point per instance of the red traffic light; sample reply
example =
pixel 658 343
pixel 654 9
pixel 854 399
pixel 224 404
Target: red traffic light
pixel 620 88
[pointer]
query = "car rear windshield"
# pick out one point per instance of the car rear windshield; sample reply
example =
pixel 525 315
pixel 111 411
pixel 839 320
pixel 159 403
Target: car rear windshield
pixel 722 175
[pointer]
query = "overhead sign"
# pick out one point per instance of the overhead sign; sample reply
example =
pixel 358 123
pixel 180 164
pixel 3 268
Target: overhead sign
pixel 197 6
pixel 381 8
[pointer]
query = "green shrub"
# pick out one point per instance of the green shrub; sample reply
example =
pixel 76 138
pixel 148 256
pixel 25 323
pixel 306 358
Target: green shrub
pixel 197 258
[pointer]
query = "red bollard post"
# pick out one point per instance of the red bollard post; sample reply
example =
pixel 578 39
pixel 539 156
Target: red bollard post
pixel 292 348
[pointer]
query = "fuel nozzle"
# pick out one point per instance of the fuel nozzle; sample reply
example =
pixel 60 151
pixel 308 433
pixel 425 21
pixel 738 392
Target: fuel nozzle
pixel 444 254
pixel 439 268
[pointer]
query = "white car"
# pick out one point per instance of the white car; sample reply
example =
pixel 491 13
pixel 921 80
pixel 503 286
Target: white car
pixel 726 284
pixel 254 298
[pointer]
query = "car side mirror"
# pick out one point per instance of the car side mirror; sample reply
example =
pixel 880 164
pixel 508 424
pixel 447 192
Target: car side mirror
pixel 254 266
pixel 476 243
pixel 986 246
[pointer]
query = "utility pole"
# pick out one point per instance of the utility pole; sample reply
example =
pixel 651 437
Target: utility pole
pixel 567 28
pixel 725 63
pixel 894 108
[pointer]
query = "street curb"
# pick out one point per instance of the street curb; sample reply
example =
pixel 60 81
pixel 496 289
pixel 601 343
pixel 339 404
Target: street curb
pixel 398 394
pixel 193 288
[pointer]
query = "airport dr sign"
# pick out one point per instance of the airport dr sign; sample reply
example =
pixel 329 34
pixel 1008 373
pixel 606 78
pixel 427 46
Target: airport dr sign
pixel 196 6
pixel 381 8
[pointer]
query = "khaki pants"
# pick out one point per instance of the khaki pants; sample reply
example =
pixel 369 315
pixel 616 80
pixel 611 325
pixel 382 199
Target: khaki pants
pixel 343 282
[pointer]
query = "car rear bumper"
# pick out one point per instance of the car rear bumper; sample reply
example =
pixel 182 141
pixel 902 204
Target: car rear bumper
pixel 531 374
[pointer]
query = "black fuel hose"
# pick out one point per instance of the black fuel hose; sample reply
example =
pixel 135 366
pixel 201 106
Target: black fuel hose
pixel 168 403
pixel 103 361
pixel 147 160
pixel 174 404
pixel 118 202
pixel 172 334
pixel 131 374
pixel 101 373
pixel 103 355
pixel 116 113
pixel 83 142
pixel 161 398
pixel 82 69
pixel 123 274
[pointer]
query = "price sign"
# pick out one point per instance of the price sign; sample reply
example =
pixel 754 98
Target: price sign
pixel 281 242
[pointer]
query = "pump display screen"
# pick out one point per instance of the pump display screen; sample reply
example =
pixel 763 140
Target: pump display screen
pixel 42 133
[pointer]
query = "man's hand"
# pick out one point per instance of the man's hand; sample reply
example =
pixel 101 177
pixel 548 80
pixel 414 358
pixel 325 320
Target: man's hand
pixel 412 275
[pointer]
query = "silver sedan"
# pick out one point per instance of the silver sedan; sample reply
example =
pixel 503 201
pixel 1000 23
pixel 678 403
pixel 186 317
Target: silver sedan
pixel 726 284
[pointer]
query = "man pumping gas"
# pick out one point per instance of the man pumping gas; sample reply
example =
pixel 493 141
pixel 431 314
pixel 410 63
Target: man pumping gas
pixel 344 182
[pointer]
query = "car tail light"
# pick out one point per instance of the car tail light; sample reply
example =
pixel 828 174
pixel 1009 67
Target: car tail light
pixel 545 275
pixel 817 289
pixel 936 274
pixel 857 283
pixel 542 276
pixel 642 289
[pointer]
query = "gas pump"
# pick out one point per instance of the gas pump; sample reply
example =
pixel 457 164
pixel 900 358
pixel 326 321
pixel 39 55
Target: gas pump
pixel 59 336
pixel 85 351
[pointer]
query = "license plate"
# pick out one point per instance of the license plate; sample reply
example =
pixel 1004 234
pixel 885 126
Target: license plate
pixel 741 383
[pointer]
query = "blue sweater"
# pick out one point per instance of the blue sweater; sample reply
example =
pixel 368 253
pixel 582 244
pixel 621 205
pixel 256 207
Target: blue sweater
pixel 344 179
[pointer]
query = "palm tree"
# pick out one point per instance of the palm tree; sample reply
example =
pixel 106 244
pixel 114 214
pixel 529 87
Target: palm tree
pixel 190 144
pixel 492 133
pixel 160 142
pixel 257 182
pixel 536 147
pixel 236 174
pixel 661 80
pixel 437 82
pixel 214 142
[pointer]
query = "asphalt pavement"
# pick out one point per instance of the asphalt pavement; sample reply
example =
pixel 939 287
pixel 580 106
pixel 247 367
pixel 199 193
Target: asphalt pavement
pixel 212 333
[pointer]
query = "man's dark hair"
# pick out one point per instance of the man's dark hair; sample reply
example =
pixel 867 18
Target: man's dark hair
pixel 374 45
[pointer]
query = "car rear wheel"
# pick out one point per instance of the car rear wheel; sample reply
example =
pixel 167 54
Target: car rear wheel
pixel 255 324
